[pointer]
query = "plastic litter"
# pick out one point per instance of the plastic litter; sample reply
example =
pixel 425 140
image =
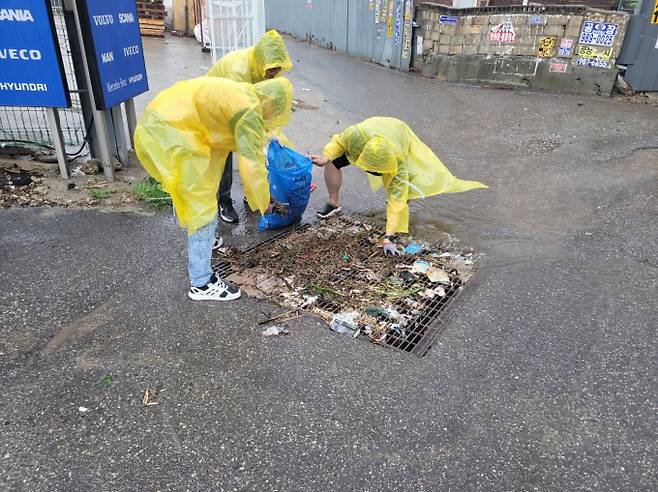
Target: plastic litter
pixel 274 330
pixel 290 186
pixel 83 409
pixel 346 324
pixel 428 294
pixel 413 248
pixel 420 266
pixel 377 312
pixel 407 276
pixel 437 275
pixel 308 301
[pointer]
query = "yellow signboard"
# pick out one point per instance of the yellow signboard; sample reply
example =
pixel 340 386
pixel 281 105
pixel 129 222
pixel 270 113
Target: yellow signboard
pixel 585 51
pixel 654 16
pixel 547 46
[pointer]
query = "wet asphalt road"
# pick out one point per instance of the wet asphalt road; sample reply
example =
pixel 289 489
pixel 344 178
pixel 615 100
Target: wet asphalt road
pixel 544 379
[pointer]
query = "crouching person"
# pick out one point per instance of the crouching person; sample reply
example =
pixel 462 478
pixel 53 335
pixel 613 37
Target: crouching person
pixel 183 138
pixel 395 158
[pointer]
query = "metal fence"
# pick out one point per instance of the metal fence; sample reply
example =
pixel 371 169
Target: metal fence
pixel 234 24
pixel 379 30
pixel 30 125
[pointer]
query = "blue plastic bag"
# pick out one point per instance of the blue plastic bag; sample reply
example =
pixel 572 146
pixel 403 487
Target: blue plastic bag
pixel 289 174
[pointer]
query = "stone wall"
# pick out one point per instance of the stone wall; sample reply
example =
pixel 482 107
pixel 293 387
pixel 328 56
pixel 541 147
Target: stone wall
pixel 536 47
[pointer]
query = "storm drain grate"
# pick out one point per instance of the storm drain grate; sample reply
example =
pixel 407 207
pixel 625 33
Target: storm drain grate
pixel 224 268
pixel 420 333
pixel 424 317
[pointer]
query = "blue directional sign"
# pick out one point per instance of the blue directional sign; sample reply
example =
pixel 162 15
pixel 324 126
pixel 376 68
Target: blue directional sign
pixel 31 69
pixel 451 20
pixel 114 49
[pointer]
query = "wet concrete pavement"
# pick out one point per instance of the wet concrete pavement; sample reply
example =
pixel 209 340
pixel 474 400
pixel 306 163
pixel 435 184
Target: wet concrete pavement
pixel 544 379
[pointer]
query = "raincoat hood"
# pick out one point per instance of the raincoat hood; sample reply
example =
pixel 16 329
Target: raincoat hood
pixel 378 157
pixel 250 64
pixel 269 52
pixel 275 97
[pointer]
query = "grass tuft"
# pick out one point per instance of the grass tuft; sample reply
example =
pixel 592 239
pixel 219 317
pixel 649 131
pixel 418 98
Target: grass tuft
pixel 150 191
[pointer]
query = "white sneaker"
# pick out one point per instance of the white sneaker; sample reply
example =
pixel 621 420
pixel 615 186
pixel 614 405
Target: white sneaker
pixel 219 242
pixel 216 290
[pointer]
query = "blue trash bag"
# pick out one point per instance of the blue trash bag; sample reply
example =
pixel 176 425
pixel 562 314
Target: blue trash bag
pixel 289 174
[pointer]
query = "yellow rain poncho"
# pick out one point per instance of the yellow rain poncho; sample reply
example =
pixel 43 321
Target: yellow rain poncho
pixel 184 135
pixel 250 64
pixel 409 168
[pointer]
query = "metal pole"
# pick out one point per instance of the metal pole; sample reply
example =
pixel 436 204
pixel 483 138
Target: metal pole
pixel 120 134
pixel 131 117
pixel 211 30
pixel 58 138
pixel 187 17
pixel 86 106
pixel 99 116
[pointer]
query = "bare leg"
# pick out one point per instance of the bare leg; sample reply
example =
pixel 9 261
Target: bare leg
pixel 333 178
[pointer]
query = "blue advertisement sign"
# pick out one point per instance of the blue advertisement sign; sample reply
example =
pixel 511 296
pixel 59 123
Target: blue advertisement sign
pixel 114 50
pixel 451 20
pixel 598 33
pixel 536 20
pixel 31 69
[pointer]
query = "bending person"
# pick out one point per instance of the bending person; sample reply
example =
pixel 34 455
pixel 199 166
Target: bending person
pixel 267 59
pixel 393 156
pixel 182 140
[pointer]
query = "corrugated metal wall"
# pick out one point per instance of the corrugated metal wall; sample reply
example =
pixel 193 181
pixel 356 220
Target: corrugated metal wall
pixel 640 50
pixel 378 30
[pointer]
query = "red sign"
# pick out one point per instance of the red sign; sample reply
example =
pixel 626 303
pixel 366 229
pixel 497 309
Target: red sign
pixel 503 33
pixel 558 67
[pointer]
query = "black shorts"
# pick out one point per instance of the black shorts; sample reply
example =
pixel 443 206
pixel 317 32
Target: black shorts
pixel 341 161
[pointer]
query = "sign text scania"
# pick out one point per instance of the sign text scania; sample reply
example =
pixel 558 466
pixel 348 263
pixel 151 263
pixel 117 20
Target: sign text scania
pixel 16 15
pixel 31 69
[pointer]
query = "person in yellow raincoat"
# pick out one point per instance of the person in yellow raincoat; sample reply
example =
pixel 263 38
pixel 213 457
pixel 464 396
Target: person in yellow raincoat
pixel 267 59
pixel 182 140
pixel 393 156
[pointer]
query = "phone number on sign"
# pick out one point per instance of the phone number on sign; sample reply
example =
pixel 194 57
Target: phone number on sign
pixel 598 39
pixel 593 62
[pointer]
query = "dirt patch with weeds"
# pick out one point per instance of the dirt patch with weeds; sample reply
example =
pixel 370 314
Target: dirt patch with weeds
pixel 27 183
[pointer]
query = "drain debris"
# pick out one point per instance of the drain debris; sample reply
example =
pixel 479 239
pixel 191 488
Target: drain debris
pixel 335 270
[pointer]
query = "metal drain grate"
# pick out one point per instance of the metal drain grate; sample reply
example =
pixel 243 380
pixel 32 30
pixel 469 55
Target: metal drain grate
pixel 224 268
pixel 418 336
pixel 425 321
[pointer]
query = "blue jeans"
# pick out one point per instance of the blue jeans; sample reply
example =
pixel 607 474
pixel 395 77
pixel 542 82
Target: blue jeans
pixel 199 254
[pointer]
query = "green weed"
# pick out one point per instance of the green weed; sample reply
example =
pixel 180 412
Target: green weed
pixel 150 191
pixel 107 380
pixel 99 194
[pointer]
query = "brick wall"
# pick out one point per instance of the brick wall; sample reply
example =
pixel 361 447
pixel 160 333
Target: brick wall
pixel 520 46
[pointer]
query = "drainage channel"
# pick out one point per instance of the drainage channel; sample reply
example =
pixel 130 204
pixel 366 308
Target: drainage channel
pixel 424 318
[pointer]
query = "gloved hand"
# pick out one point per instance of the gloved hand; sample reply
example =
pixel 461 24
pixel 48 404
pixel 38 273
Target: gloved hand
pixel 391 249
